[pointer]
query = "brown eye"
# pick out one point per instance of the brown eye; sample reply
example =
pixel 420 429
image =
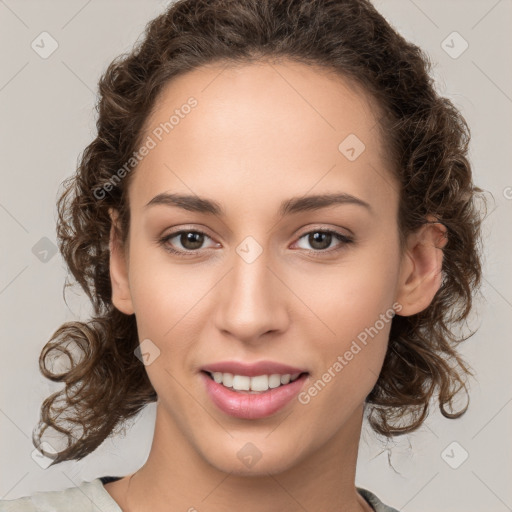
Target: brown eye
pixel 321 241
pixel 190 240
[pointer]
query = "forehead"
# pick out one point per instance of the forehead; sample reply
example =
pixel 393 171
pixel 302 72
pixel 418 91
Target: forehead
pixel 262 130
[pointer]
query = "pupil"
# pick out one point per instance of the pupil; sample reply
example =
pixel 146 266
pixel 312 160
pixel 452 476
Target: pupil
pixel 317 237
pixel 191 238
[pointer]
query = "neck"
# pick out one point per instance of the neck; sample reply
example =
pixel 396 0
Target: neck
pixel 176 477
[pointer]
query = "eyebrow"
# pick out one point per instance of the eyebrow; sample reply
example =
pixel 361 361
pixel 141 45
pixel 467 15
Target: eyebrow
pixel 290 206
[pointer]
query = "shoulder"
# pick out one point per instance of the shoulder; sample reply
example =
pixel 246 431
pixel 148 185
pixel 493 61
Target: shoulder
pixel 374 501
pixel 85 497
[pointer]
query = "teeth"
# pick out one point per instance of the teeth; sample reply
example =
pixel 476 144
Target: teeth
pixel 259 383
pixel 227 379
pixel 241 382
pixel 274 381
pixel 285 378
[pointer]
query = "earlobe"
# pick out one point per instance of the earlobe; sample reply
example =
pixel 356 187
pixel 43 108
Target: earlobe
pixel 421 276
pixel 121 296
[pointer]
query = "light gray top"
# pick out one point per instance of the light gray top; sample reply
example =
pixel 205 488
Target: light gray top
pixel 93 497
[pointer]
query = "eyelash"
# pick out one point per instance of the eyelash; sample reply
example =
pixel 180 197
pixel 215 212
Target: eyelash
pixel 315 253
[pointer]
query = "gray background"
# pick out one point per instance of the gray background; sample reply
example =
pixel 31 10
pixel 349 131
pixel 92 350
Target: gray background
pixel 48 119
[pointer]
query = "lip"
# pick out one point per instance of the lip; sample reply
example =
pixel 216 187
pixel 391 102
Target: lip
pixel 252 370
pixel 245 405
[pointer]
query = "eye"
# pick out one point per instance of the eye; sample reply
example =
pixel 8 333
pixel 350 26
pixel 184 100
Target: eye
pixel 321 240
pixel 191 241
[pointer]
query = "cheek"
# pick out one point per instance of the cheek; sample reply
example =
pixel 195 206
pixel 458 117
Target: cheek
pixel 356 308
pixel 351 297
pixel 368 286
pixel 350 361
pixel 163 292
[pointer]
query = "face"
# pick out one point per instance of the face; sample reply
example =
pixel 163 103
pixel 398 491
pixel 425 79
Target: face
pixel 271 275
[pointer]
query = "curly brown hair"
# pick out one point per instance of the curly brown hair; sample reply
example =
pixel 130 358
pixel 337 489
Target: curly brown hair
pixel 427 140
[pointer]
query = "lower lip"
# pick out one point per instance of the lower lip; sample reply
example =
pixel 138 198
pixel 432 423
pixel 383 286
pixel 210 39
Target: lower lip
pixel 252 406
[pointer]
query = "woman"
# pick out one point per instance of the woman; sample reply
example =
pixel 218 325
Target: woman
pixel 276 225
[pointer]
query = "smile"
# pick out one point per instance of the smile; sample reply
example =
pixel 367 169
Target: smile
pixel 261 395
pixel 257 384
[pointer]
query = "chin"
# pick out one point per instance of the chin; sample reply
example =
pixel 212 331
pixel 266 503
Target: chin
pixel 256 457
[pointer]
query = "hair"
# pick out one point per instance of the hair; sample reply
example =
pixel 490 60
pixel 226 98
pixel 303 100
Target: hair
pixel 426 140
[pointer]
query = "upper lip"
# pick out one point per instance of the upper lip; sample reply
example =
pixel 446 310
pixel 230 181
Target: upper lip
pixel 252 370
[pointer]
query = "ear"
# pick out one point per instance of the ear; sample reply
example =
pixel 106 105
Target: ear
pixel 121 296
pixel 420 273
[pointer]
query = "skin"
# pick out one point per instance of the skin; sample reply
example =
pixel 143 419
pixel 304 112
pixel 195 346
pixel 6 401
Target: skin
pixel 263 133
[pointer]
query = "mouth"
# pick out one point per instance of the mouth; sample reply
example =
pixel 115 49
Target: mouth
pixel 255 397
pixel 253 385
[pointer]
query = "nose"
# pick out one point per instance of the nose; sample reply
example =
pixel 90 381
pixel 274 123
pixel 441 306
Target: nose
pixel 253 300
